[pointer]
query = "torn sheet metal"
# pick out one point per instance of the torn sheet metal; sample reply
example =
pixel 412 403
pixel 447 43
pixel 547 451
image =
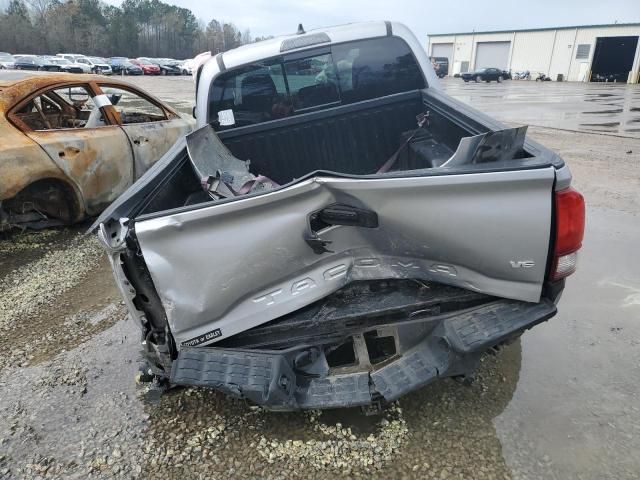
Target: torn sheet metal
pixel 494 146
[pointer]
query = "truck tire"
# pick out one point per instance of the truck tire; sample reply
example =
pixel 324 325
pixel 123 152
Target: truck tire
pixel 478 78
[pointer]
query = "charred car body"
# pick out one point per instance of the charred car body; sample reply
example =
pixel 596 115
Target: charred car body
pixel 71 144
pixel 338 231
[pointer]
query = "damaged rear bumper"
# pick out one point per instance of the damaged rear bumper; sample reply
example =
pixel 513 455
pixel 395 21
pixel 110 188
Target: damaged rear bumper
pixel 426 349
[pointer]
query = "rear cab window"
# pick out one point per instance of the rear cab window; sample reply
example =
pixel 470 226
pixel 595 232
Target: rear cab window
pixel 313 80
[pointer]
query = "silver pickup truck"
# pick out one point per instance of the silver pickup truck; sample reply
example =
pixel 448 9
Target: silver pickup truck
pixel 338 231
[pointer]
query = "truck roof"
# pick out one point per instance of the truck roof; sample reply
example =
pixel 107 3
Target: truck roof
pixel 273 46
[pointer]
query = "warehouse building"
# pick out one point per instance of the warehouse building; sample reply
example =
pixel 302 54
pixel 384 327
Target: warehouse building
pixel 579 53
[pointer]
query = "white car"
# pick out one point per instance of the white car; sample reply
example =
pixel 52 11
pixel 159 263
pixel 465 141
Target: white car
pixel 73 58
pixel 7 62
pixel 190 66
pixel 186 67
pixel 96 64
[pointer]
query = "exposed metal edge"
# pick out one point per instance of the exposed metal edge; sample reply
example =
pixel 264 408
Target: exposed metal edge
pixel 220 63
pixel 389 27
pixel 563 178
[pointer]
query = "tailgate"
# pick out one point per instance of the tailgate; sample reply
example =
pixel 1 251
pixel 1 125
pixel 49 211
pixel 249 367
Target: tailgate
pixel 222 269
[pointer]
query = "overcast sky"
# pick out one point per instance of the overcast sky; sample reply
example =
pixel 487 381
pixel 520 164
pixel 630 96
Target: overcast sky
pixel 273 17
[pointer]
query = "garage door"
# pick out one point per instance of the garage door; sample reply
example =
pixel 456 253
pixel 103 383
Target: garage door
pixel 442 50
pixel 492 54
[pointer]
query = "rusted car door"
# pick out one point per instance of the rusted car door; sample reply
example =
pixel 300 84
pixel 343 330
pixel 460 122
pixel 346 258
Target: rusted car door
pixel 91 150
pixel 150 127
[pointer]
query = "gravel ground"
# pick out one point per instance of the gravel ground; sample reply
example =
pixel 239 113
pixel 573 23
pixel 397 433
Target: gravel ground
pixel 562 403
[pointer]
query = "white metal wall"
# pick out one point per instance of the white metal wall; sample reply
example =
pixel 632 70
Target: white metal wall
pixel 532 51
pixel 563 51
pixel 551 51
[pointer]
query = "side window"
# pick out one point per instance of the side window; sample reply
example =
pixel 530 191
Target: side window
pixel 374 68
pixel 61 108
pixel 132 107
pixel 312 82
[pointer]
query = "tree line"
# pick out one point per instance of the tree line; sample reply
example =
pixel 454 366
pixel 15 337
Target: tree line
pixel 149 28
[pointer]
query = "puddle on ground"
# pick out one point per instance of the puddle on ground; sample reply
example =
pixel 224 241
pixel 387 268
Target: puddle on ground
pixel 561 105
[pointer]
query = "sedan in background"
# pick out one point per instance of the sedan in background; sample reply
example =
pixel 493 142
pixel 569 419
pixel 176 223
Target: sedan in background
pixel 168 66
pixel 147 67
pixel 124 67
pixel 65 65
pixel 186 66
pixel 486 75
pixel 97 64
pixel 31 62
pixel 71 144
pixel 7 62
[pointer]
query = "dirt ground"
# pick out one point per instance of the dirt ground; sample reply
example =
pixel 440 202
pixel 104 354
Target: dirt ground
pixel 561 403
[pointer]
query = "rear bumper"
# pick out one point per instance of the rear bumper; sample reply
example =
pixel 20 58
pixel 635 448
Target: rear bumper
pixel 272 379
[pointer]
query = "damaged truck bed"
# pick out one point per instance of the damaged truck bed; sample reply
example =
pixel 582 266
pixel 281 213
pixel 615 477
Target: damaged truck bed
pixel 338 232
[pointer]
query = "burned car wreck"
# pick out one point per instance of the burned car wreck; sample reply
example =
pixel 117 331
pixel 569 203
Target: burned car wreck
pixel 373 236
pixel 71 144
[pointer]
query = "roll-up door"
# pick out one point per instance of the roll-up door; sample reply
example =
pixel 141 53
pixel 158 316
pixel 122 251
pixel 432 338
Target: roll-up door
pixel 492 54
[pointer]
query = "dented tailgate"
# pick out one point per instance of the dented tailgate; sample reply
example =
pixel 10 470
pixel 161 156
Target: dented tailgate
pixel 224 268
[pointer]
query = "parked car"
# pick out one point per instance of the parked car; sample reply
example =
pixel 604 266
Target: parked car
pixel 441 66
pixel 167 66
pixel 186 67
pixel 65 65
pixel 98 65
pixel 147 67
pixel 32 62
pixel 7 62
pixel 486 75
pixel 73 58
pixel 124 66
pixel 64 155
pixel 365 236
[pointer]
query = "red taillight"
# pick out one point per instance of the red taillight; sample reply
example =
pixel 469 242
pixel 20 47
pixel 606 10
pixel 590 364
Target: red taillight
pixel 569 232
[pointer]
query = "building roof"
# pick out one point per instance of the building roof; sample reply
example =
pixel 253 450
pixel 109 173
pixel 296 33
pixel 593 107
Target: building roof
pixel 571 27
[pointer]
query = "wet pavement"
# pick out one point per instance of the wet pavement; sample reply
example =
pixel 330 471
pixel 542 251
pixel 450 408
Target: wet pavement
pixel 612 108
pixel 561 403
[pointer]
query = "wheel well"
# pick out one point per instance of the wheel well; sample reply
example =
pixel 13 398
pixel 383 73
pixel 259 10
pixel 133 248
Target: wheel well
pixel 51 196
